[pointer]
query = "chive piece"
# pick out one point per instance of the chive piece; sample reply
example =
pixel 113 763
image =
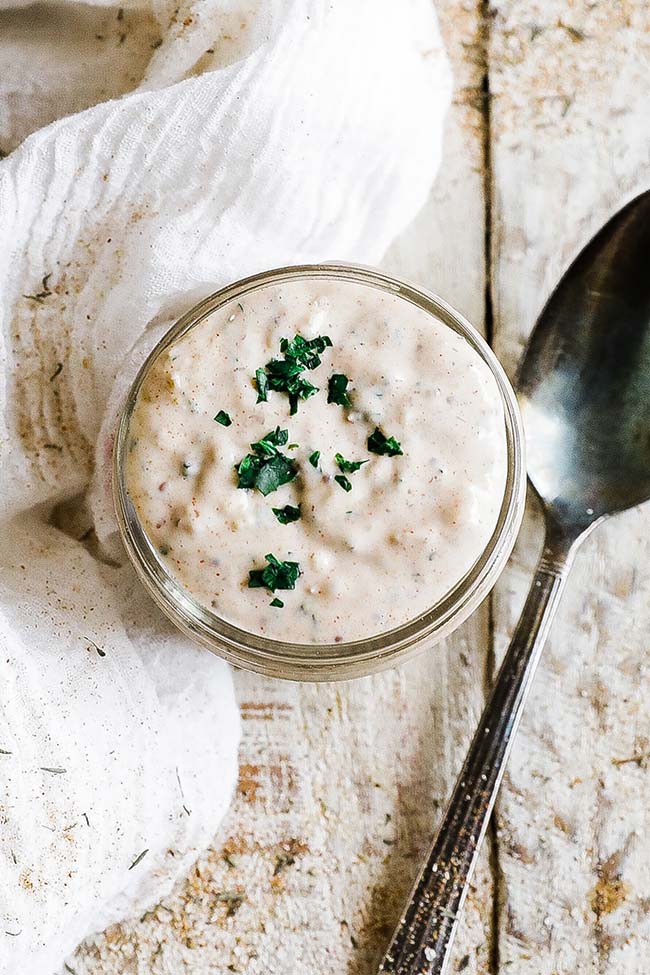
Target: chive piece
pixel 276 575
pixel 314 458
pixel 336 390
pixel 223 418
pixel 293 446
pixel 343 481
pixel 378 443
pixel 266 468
pixel 348 466
pixel 277 602
pixel 262 385
pixel 287 514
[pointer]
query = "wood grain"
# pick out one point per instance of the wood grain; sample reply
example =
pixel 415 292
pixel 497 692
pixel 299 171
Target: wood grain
pixel 569 136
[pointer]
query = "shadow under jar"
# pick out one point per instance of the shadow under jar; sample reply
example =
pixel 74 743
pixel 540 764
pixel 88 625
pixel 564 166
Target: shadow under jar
pixel 395 552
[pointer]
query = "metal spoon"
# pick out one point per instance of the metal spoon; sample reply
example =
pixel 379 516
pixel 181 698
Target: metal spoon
pixel 585 396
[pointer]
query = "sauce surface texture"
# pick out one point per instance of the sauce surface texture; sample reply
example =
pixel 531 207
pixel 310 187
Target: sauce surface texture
pixel 373 553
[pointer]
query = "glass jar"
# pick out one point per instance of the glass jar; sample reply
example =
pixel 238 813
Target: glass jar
pixel 337 661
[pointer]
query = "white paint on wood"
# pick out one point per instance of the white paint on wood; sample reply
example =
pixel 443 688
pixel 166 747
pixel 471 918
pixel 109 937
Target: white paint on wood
pixel 570 144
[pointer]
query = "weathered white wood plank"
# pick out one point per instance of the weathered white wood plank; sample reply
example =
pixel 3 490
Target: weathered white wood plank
pixel 341 786
pixel 570 83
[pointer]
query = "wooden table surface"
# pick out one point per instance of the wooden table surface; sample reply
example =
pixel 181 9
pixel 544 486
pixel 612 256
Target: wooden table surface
pixel 341 786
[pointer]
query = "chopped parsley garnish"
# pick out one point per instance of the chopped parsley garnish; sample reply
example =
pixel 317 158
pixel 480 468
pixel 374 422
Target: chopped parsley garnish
pixel 284 375
pixel 274 473
pixel 314 458
pixel 268 444
pixel 277 602
pixel 336 390
pixel 307 352
pixel 276 575
pixel 287 514
pixel 378 443
pixel 348 466
pixel 267 468
pixel 223 418
pixel 343 481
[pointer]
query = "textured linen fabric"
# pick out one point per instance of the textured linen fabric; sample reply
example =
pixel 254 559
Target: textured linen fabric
pixel 299 131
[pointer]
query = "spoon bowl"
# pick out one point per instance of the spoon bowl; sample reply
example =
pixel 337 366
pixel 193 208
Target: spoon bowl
pixel 584 385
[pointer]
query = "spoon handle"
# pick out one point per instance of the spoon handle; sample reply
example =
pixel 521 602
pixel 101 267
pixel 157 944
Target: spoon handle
pixel 422 942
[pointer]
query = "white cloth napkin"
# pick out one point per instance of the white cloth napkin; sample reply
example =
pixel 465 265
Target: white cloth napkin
pixel 309 130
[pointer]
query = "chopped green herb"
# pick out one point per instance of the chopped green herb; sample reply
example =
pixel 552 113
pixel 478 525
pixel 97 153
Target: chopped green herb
pixel 293 446
pixel 185 468
pixel 336 390
pixel 378 443
pixel 267 475
pixel 287 514
pixel 277 602
pixel 223 418
pixel 314 458
pixel 270 442
pixel 348 466
pixel 248 470
pixel 284 375
pixel 274 473
pixel 276 575
pixel 343 481
pixel 267 469
pixel 262 385
pixel 307 352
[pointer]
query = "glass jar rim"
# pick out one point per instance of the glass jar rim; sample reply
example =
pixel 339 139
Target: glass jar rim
pixel 296 661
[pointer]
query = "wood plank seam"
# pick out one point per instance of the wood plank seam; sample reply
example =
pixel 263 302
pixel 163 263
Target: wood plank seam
pixel 486 17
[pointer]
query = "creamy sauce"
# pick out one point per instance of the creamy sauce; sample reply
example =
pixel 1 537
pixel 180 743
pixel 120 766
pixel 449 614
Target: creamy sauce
pixel 370 559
